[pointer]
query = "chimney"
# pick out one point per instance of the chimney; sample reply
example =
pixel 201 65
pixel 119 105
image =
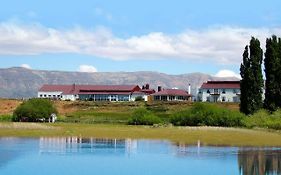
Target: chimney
pixel 147 86
pixel 159 88
pixel 189 88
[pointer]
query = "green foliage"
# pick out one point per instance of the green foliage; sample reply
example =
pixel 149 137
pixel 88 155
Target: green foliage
pixel 92 116
pixel 251 84
pixel 141 116
pixel 272 64
pixel 34 110
pixel 5 118
pixel 264 119
pixel 207 114
pixel 139 98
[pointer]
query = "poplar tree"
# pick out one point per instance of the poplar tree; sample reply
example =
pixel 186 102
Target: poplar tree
pixel 251 84
pixel 272 65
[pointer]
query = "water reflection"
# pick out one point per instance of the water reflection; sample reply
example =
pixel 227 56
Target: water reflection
pixel 129 156
pixel 66 145
pixel 259 161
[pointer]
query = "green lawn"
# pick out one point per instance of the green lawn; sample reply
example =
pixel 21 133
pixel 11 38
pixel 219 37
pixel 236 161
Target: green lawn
pixel 206 135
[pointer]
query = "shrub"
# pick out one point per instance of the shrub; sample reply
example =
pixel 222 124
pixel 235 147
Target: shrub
pixel 139 98
pixel 207 114
pixel 264 119
pixel 34 110
pixel 142 116
pixel 5 118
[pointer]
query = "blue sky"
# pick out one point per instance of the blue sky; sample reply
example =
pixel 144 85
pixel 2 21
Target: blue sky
pixel 173 37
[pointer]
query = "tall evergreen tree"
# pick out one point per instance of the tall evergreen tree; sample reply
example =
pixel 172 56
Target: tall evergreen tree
pixel 272 65
pixel 251 84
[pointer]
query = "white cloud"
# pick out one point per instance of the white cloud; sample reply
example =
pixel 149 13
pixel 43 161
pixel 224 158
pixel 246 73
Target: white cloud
pixel 222 45
pixel 87 68
pixel 227 73
pixel 25 66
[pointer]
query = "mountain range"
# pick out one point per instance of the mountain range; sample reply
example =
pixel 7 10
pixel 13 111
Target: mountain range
pixel 20 82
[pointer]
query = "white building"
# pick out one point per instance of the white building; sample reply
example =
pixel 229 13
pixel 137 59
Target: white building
pixel 219 91
pixel 94 92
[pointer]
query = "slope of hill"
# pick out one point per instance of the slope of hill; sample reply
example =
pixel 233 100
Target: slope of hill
pixel 23 83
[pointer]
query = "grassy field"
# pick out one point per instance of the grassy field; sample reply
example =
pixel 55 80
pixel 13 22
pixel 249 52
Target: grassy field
pixel 187 135
pixel 108 120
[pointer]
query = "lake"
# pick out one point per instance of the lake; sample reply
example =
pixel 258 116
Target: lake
pixel 83 156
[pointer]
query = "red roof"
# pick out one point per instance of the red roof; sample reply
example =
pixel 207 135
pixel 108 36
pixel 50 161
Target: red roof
pixel 174 92
pixel 221 85
pixel 56 88
pixel 86 89
pixel 148 91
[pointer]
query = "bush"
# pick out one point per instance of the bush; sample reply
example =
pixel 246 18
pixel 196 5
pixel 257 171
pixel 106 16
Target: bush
pixel 34 110
pixel 204 114
pixel 5 118
pixel 139 98
pixel 263 119
pixel 142 116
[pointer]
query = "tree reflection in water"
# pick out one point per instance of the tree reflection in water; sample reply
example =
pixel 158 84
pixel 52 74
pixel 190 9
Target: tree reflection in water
pixel 259 161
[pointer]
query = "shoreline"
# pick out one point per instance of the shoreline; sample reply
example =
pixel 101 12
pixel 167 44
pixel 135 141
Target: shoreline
pixel 209 136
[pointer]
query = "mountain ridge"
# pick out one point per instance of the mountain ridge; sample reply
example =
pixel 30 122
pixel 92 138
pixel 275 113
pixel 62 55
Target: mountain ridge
pixel 18 82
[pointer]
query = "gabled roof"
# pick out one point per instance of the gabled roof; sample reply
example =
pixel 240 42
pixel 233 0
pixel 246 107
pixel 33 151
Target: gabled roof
pixel 55 88
pixel 86 89
pixel 221 85
pixel 106 87
pixel 174 92
pixel 148 91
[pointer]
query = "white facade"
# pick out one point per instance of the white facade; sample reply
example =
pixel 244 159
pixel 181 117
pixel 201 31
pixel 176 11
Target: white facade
pixel 70 97
pixel 57 95
pixel 54 95
pixel 219 95
pixel 134 96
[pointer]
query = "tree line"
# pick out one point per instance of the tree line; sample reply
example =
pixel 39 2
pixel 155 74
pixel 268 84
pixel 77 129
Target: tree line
pixel 252 83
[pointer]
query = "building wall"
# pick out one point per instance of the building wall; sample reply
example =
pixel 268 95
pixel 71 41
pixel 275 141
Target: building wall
pixel 105 97
pixel 219 95
pixel 170 98
pixel 56 94
pixel 70 97
pixel 134 96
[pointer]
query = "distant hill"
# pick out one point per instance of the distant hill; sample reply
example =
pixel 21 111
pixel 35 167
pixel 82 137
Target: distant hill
pixel 23 83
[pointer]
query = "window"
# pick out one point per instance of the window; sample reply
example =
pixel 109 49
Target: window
pixel 172 98
pixel 41 95
pixel 236 99
pixel 223 91
pixel 157 97
pixel 123 98
pixel 216 91
pixel 223 98
pixel 164 98
pixel 180 97
pixel 45 95
pixel 234 91
pixel 208 91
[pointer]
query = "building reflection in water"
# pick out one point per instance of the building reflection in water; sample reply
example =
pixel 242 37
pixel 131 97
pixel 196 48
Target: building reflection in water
pixel 259 161
pixel 64 145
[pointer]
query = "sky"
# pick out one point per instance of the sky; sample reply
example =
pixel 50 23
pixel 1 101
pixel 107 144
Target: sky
pixel 172 36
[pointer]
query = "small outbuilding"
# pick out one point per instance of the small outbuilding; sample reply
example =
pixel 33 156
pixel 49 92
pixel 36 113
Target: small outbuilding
pixel 171 95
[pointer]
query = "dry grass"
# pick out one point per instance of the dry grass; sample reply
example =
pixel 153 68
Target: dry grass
pixel 7 106
pixel 26 126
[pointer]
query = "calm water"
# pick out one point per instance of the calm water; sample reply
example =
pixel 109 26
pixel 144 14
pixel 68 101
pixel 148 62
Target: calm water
pixel 76 156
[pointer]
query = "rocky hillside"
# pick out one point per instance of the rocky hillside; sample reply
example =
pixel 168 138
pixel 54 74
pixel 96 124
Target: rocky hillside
pixel 23 83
